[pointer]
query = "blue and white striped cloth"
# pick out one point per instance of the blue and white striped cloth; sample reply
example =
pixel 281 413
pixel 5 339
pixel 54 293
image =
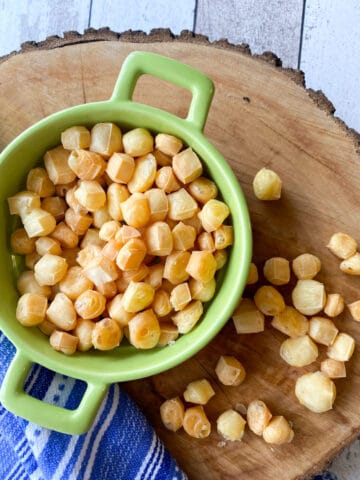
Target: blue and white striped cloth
pixel 121 445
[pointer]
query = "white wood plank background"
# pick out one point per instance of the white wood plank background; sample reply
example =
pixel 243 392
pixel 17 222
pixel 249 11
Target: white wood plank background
pixel 22 20
pixel 273 25
pixel 143 14
pixel 320 36
pixel 330 55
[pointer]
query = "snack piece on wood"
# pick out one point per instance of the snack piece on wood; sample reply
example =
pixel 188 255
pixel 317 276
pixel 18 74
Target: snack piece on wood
pixel 306 266
pixel 316 391
pixel 231 425
pixel 267 185
pixel 342 245
pixel 172 413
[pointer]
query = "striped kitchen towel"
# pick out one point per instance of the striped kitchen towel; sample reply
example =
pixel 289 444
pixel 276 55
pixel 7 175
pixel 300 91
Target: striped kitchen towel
pixel 121 445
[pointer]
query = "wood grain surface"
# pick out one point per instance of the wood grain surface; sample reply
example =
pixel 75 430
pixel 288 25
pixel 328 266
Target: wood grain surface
pixel 261 115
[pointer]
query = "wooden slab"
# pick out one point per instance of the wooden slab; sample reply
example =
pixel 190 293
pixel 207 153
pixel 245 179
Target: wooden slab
pixel 261 115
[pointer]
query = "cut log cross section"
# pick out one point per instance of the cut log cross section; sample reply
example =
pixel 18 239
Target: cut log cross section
pixel 261 115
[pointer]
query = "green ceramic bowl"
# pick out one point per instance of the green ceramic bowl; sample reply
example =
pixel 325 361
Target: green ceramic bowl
pixel 100 369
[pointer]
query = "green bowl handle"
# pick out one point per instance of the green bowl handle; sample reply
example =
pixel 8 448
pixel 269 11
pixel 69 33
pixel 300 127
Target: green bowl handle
pixel 72 422
pixel 139 63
